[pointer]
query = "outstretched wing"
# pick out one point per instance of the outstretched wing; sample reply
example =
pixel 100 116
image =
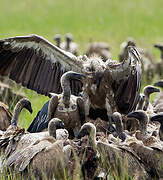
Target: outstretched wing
pixel 127 81
pixel 36 63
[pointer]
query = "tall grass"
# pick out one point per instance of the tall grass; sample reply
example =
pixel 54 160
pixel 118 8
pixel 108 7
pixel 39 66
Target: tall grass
pixel 88 20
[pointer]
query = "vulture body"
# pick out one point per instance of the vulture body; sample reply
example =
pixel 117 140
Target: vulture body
pixel 38 65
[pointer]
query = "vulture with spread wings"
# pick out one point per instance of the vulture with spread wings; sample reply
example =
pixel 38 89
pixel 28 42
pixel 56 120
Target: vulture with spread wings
pixel 38 65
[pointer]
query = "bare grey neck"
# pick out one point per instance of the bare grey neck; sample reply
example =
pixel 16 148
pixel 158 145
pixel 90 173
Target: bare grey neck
pixel 16 113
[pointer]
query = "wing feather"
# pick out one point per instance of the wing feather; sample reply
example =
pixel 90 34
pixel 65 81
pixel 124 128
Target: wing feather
pixel 127 83
pixel 36 63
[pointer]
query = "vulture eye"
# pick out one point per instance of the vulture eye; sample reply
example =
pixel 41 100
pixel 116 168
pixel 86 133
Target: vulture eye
pixel 73 106
pixel 88 69
pixel 60 108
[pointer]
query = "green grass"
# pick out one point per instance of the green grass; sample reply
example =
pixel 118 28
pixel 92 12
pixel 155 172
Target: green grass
pixel 87 20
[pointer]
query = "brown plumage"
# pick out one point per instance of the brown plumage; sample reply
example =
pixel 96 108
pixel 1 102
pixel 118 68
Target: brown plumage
pixel 13 133
pixel 147 59
pixel 45 156
pixel 5 116
pixel 114 156
pixel 100 49
pixel 26 59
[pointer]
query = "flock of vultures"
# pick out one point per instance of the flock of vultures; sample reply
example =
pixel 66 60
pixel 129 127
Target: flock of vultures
pixel 96 125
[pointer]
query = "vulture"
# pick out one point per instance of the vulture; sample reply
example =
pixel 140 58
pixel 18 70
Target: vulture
pixel 38 65
pixel 144 102
pixel 13 132
pixel 69 46
pixel 57 38
pixel 5 116
pixel 147 59
pixel 100 49
pixel 159 64
pixel 112 157
pixel 64 106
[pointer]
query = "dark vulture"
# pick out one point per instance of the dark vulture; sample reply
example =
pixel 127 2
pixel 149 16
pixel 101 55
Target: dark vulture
pixel 38 65
pixel 147 59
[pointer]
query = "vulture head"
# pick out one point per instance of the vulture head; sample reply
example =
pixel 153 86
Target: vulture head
pixel 57 38
pixel 160 47
pixel 88 129
pixel 143 119
pixel 159 83
pixel 23 103
pixel 93 68
pixel 149 90
pixel 54 124
pixel 65 83
pixel 69 37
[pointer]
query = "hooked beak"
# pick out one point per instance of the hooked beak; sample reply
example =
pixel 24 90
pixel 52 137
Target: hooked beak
pixel 159 83
pixel 133 115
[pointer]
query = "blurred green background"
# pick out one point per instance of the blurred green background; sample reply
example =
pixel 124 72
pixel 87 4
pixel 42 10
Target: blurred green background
pixel 87 20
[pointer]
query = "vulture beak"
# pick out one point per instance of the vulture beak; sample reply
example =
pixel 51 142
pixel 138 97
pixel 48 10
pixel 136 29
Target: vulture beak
pixel 77 76
pixel 82 133
pixel 159 46
pixel 61 125
pixel 133 115
pixel 150 89
pixel 159 83
pixel 29 107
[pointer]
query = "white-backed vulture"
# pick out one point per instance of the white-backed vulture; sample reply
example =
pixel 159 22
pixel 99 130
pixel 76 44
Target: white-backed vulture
pixel 38 65
pixel 159 64
pixel 113 156
pixel 99 49
pixel 64 106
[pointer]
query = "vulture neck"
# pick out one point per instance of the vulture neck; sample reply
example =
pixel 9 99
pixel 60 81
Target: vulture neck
pixel 18 108
pixel 68 44
pixel 51 107
pixel 58 43
pixel 65 83
pixel 52 131
pixel 143 126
